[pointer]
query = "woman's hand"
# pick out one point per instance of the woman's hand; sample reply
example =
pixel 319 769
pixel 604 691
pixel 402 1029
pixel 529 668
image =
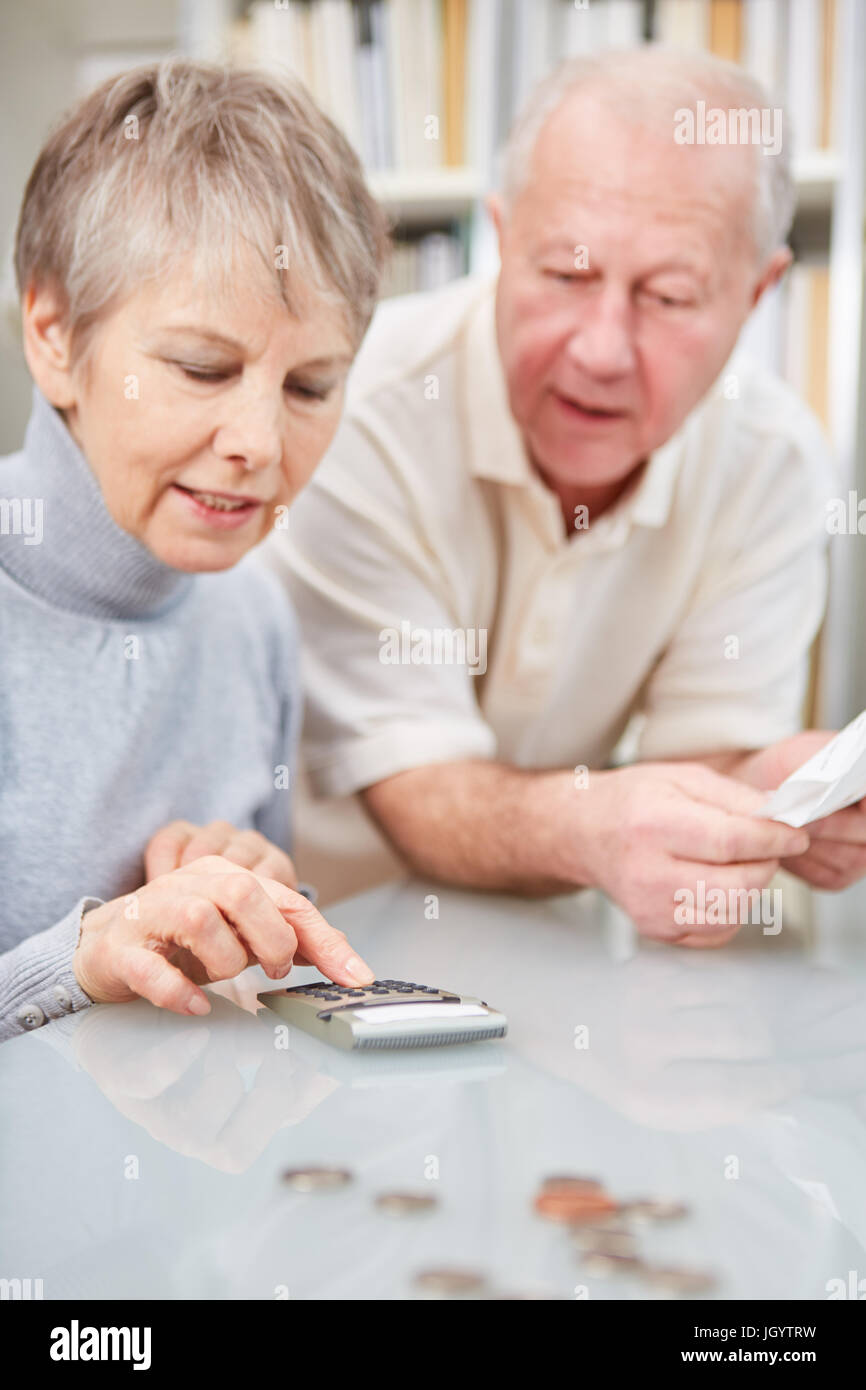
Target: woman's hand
pixel 206 921
pixel 181 842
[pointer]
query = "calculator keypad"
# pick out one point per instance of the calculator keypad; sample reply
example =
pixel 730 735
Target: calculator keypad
pixel 348 996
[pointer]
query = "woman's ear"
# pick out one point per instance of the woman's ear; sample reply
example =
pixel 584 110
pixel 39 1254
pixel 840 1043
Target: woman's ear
pixel 47 344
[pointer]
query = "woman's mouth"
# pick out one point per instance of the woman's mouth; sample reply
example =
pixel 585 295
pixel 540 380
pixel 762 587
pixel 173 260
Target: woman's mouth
pixel 224 510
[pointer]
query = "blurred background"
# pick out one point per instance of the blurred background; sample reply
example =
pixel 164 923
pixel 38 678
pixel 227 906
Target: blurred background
pixel 426 91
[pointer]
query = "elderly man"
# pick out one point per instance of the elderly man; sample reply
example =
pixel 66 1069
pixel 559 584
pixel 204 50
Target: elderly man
pixel 557 503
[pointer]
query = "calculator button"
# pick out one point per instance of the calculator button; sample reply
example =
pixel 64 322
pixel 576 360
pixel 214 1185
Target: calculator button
pixel 405 989
pixel 330 996
pixel 379 989
pixel 356 993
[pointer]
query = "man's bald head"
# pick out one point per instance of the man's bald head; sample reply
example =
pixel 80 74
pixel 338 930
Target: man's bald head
pixel 648 90
pixel 630 260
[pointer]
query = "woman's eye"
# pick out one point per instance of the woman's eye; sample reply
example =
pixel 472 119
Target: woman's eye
pixel 308 392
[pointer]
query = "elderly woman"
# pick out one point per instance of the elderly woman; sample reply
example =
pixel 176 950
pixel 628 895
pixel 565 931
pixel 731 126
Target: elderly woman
pixel 198 258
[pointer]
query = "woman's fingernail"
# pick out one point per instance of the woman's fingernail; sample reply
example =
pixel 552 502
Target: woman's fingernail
pixel 198 1005
pixel 355 967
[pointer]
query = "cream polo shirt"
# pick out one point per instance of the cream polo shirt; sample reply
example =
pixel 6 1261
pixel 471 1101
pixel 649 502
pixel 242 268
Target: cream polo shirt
pixel 691 603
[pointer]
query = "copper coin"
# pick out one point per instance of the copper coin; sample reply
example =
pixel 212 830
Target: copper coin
pixel 564 1208
pixel 599 1219
pixel 571 1186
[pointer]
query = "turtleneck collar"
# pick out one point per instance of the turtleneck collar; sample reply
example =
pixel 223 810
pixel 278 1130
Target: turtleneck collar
pixel 84 562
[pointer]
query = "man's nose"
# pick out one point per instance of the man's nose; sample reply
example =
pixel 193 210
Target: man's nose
pixel 602 343
pixel 251 436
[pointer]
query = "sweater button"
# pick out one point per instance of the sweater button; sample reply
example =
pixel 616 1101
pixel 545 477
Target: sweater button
pixel 63 998
pixel 31 1016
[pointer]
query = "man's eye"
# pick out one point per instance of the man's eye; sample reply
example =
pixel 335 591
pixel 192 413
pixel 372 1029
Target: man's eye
pixel 668 301
pixel 201 373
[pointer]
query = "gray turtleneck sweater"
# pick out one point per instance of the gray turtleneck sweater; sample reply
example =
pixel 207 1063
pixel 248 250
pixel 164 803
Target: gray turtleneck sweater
pixel 131 695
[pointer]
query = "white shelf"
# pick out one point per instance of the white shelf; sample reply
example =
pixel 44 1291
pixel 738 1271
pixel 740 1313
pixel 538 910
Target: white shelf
pixel 416 195
pixel 816 175
pixel 426 194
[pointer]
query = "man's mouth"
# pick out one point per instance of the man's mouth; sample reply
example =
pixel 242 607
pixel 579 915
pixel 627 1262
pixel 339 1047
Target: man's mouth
pixel 589 409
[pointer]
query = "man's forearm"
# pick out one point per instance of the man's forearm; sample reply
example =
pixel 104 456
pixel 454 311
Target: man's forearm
pixel 481 825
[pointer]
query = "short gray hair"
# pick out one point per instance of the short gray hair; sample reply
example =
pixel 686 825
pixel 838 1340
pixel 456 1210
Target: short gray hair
pixel 180 158
pixel 647 85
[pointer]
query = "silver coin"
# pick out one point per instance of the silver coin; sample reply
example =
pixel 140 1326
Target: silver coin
pixel 604 1263
pixel 676 1279
pixel 654 1209
pixel 508 1294
pixel 450 1281
pixel 406 1203
pixel 316 1179
pixel 602 1240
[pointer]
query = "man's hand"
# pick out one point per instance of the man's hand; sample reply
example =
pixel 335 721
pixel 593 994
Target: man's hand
pixel 836 857
pixel 206 921
pixel 645 833
pixel 181 842
pixel 639 834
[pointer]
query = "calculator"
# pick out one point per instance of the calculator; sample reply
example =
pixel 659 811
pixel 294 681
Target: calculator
pixel 386 1014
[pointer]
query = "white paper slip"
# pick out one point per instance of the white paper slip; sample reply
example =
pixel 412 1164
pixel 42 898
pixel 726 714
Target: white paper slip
pixel 834 778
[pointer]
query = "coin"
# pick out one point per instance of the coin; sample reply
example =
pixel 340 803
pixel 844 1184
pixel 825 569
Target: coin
pixel 653 1209
pixel 500 1294
pixel 555 1207
pixel 316 1179
pixel 679 1279
pixel 571 1186
pixel 405 1203
pixel 603 1240
pixel 450 1281
pixel 604 1263
pixel 595 1218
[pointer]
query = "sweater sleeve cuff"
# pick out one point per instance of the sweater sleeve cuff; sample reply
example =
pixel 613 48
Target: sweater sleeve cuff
pixel 37 981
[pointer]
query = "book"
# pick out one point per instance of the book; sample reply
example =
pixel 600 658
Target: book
pixel 454 34
pixel 726 21
pixel 682 23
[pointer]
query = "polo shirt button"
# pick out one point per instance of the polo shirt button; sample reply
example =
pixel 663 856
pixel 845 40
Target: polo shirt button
pixel 63 998
pixel 31 1016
